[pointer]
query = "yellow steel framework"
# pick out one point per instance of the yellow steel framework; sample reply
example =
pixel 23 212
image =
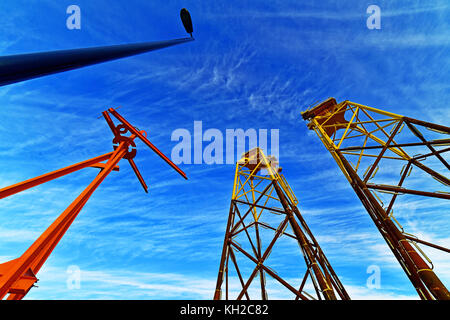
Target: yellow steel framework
pixel 369 148
pixel 262 206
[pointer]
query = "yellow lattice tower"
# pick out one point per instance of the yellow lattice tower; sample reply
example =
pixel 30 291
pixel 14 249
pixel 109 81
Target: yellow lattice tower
pixel 369 145
pixel 262 207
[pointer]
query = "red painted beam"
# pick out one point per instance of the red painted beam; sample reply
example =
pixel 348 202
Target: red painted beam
pixel 24 185
pixel 146 141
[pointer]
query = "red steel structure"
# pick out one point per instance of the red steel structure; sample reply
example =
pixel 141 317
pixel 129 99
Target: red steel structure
pixel 18 276
pixel 262 206
pixel 370 145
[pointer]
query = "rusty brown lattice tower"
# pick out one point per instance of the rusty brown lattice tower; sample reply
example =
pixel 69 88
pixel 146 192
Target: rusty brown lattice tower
pixel 263 206
pixel 398 167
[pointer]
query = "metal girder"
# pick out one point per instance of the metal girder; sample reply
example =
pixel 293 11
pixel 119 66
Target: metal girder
pixel 259 196
pixel 18 276
pixel 375 141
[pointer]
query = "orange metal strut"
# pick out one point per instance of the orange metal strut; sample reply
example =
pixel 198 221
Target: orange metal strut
pixel 18 276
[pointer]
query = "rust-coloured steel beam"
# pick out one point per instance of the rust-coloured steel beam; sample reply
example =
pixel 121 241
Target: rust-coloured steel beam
pixel 138 174
pixel 18 276
pixel 14 272
pixel 403 190
pixel 421 275
pixel 304 243
pixel 146 141
pixel 22 186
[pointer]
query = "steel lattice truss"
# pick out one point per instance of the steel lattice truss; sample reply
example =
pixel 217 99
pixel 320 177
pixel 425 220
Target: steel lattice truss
pixel 397 166
pixel 263 224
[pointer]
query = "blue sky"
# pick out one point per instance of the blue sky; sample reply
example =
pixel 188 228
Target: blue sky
pixel 253 65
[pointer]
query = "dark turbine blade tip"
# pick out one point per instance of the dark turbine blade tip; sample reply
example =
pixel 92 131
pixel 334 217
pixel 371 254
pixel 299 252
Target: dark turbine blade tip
pixel 187 21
